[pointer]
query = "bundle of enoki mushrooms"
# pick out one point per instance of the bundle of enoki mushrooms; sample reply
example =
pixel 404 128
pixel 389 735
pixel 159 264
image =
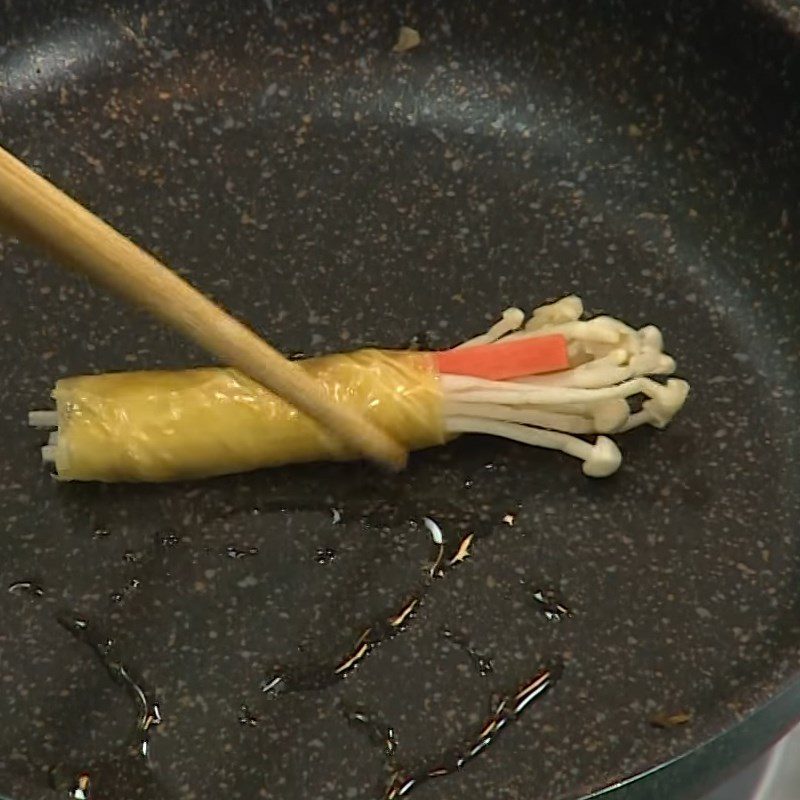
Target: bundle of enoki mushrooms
pixel 553 381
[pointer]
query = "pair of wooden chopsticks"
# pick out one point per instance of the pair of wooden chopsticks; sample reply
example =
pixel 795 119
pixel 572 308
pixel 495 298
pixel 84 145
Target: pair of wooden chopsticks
pixel 37 212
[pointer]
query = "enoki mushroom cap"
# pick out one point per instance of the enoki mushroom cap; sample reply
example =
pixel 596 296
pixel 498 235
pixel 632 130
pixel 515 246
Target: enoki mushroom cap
pixel 652 362
pixel 567 309
pixel 651 337
pixel 665 401
pixel 646 362
pixel 603 460
pixel 514 318
pixel 666 365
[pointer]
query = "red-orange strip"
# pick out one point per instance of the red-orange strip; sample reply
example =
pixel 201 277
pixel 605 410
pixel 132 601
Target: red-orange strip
pixel 504 360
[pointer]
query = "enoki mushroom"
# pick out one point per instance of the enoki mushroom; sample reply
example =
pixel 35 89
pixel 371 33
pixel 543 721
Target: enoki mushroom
pixel 609 365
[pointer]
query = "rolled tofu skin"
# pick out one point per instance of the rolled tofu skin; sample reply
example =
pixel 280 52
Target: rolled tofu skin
pixel 175 425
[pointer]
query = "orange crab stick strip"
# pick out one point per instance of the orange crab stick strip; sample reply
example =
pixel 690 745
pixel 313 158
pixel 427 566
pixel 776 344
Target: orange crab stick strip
pixel 500 361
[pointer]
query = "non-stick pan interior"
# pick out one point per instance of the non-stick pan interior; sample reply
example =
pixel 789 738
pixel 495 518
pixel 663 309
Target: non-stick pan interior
pixel 335 194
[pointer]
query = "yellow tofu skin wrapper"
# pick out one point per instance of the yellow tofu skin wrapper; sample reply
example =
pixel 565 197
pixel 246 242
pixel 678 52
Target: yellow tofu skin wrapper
pixel 195 423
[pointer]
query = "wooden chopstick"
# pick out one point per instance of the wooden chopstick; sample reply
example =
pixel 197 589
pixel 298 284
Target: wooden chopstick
pixel 37 212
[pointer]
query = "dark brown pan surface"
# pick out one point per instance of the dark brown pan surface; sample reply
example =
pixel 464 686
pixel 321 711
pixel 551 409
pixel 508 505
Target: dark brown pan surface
pixel 336 194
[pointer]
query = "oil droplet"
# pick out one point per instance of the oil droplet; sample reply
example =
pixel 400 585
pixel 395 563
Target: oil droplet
pixel 100 533
pixel 246 718
pixel 78 787
pixel 433 529
pixel 552 608
pixel 168 539
pixel 234 552
pixel 130 556
pixel 325 555
pixel 83 787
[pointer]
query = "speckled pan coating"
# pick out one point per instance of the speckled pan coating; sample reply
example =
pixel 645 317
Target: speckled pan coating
pixel 335 194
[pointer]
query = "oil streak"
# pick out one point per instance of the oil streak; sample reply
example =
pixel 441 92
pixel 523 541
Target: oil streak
pixel 379 734
pixel 149 713
pixel 26 587
pixel 119 596
pixel 302 678
pixel 483 664
pixel 507 709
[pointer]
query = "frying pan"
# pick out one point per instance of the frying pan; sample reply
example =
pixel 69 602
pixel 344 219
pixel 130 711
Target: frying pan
pixel 336 194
